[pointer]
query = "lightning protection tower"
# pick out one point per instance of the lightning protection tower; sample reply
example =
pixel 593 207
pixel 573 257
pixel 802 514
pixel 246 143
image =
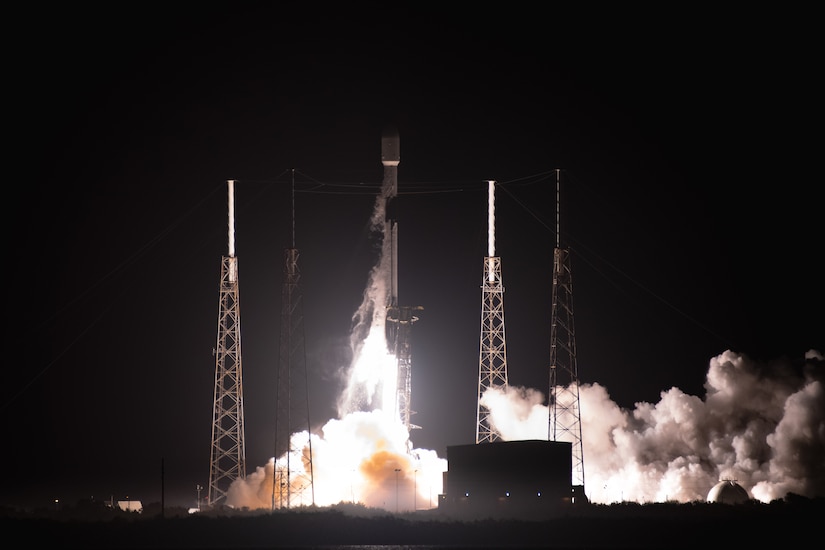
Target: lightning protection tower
pixel 565 418
pixel 293 475
pixel 228 455
pixel 492 361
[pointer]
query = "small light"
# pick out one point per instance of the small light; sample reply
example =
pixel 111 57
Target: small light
pixel 507 493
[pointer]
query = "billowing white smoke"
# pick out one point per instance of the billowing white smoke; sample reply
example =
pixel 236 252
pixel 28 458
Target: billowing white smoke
pixel 762 425
pixel 360 458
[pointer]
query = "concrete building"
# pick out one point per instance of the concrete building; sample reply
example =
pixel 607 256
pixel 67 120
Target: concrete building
pixel 508 479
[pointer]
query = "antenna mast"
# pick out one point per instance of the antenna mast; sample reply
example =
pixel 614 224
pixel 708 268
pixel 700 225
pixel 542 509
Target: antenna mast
pixel 565 418
pixel 228 454
pixel 492 362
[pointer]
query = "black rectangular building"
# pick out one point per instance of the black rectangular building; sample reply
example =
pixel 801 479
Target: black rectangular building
pixel 529 479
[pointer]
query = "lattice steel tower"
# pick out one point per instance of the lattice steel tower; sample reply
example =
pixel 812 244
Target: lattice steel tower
pixel 565 418
pixel 492 360
pixel 293 476
pixel 228 455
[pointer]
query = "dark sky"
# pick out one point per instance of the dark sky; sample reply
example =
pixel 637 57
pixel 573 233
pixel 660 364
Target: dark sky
pixel 686 144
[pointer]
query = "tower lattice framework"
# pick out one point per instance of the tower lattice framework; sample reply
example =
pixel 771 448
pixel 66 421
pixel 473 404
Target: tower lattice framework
pixel 293 477
pixel 228 453
pixel 492 361
pixel 565 415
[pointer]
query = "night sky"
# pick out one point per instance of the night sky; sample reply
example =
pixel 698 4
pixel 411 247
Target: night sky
pixel 686 146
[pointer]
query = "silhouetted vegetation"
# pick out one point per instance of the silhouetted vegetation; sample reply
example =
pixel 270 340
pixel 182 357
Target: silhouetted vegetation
pixel 91 524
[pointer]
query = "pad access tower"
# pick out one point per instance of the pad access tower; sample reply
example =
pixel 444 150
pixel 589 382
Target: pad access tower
pixel 492 360
pixel 227 460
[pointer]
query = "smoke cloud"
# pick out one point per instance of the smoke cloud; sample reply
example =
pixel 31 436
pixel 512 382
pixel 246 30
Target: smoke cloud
pixel 762 425
pixel 361 458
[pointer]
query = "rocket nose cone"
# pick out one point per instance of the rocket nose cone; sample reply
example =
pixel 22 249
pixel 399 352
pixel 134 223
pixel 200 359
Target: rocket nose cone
pixel 390 147
pixel 390 134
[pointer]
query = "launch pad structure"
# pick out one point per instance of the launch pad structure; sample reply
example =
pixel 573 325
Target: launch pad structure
pixel 292 465
pixel 481 480
pixel 227 461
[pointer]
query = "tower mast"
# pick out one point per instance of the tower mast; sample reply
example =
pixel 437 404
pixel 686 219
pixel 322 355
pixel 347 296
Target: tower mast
pixel 293 476
pixel 565 418
pixel 228 454
pixel 492 362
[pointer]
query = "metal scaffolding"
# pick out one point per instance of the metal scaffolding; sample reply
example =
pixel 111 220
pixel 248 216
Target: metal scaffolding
pixel 228 455
pixel 492 361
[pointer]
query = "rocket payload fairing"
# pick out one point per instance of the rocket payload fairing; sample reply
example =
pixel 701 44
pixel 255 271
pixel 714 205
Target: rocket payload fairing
pixel 390 158
pixel 390 147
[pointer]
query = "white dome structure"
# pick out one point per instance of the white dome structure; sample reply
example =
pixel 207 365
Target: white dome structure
pixel 728 492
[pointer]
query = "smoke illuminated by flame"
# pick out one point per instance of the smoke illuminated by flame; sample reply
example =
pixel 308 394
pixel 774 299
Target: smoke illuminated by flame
pixel 761 425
